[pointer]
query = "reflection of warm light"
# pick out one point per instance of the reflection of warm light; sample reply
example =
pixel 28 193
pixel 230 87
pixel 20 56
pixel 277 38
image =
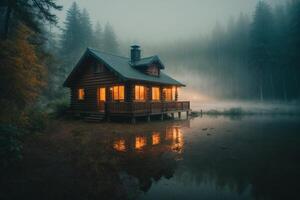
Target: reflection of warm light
pixel 169 134
pixel 140 142
pixel 155 138
pixel 119 145
pixel 175 136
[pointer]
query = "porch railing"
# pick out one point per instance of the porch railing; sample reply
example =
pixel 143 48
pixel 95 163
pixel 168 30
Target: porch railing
pixel 146 107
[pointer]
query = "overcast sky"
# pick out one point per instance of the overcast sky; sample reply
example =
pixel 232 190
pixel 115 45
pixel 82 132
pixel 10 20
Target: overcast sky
pixel 161 20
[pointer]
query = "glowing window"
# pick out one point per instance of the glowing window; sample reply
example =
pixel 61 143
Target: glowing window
pixel 173 93
pixel 140 93
pixel 102 94
pixel 118 93
pixel 155 93
pixel 170 93
pixel 81 94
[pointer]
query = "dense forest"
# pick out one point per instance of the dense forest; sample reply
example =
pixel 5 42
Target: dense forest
pixel 254 58
pixel 34 62
pixel 77 34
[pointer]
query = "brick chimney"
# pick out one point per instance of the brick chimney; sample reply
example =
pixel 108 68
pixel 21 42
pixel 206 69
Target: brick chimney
pixel 135 53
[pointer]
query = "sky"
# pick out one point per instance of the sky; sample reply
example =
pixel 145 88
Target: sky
pixel 137 21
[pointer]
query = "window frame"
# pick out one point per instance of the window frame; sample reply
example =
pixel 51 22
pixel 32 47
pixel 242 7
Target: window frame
pixel 99 94
pixel 159 93
pixel 118 92
pixel 172 95
pixel 139 91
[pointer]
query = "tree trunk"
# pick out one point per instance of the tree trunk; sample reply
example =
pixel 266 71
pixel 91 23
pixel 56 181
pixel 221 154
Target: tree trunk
pixel 284 90
pixel 272 85
pixel 261 94
pixel 6 23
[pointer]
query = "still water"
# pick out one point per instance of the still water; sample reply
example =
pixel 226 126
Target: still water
pixel 251 157
pixel 219 158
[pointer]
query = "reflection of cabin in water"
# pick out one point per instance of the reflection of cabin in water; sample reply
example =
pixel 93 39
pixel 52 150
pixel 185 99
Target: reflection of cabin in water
pixel 149 153
pixel 105 85
pixel 172 138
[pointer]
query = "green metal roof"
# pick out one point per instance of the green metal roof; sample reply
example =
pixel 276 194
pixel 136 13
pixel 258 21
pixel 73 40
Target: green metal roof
pixel 122 66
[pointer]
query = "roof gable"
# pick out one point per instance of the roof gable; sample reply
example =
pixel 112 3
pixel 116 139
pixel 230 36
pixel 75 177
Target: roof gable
pixel 147 62
pixel 122 67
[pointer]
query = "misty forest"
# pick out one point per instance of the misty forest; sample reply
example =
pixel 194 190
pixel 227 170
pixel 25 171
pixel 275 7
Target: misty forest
pixel 253 56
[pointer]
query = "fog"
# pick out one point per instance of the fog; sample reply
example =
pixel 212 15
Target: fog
pixel 233 50
pixel 145 21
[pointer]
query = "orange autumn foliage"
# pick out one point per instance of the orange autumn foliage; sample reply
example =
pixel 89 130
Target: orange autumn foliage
pixel 21 74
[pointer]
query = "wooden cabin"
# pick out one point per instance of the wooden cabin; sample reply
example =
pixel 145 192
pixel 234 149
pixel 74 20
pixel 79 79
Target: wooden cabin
pixel 104 85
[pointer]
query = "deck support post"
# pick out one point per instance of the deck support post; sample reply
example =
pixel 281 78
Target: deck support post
pixel 148 118
pixel 187 114
pixel 133 121
pixel 162 117
pixel 172 115
pixel 179 115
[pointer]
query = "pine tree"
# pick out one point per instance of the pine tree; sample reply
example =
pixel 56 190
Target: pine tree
pixel 260 49
pixel 110 43
pixel 98 37
pixel 30 12
pixel 71 36
pixel 71 40
pixel 86 30
pixel 77 36
pixel 294 46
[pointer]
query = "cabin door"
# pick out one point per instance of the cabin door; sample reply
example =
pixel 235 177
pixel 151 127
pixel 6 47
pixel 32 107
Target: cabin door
pixel 101 98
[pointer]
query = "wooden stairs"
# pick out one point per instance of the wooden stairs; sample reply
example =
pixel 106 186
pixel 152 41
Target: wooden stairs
pixel 95 117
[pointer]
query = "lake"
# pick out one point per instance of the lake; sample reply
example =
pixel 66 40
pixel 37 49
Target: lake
pixel 208 157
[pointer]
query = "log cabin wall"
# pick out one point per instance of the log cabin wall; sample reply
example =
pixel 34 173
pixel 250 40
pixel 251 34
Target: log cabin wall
pixel 90 82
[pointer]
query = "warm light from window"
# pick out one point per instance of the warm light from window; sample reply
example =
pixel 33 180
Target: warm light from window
pixel 102 94
pixel 170 93
pixel 139 92
pixel 140 142
pixel 118 93
pixel 173 93
pixel 155 93
pixel 155 138
pixel 81 94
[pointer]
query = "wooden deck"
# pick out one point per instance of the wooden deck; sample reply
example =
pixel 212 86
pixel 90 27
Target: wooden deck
pixel 146 108
pixel 133 110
